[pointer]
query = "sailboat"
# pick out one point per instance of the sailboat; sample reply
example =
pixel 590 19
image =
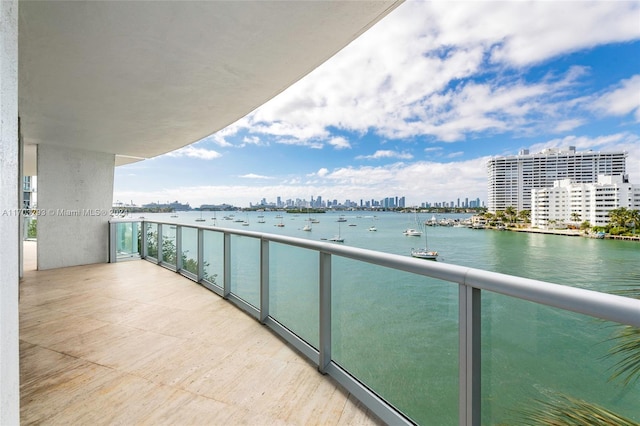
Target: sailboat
pixel 337 238
pixel 412 232
pixel 307 227
pixel 424 253
pixel 201 219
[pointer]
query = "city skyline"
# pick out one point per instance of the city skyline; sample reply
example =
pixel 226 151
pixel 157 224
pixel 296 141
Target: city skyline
pixel 419 104
pixel 314 202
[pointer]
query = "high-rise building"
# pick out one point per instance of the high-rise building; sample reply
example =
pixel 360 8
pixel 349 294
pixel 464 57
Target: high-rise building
pixel 570 202
pixel 512 178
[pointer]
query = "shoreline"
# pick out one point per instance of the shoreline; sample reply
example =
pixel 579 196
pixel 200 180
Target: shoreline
pixel 573 233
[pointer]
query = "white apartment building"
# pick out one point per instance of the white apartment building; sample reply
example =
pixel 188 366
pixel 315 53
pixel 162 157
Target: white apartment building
pixel 512 178
pixel 570 202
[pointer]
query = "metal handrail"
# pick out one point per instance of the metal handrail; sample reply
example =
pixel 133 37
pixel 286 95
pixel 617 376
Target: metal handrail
pixel 623 310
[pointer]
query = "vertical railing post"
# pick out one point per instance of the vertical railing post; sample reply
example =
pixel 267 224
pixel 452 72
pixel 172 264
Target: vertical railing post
pixel 135 248
pixel 112 242
pixel 178 248
pixel 470 353
pixel 200 254
pixel 159 243
pixel 227 266
pixel 264 280
pixel 325 312
pixel 143 235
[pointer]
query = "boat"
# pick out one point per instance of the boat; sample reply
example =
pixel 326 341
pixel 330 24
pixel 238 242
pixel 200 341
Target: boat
pixel 373 228
pixel 337 238
pixel 307 227
pixel 412 232
pixel 424 253
pixel 342 219
pixel 201 219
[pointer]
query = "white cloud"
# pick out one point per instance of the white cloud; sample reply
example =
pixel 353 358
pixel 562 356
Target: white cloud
pixel 384 153
pixel 252 140
pixel 568 125
pixel 322 172
pixel 623 100
pixel 193 152
pixel 339 143
pixel 413 55
pixel 254 176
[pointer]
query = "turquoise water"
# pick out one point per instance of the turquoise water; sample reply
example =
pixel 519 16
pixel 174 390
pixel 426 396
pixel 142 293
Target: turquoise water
pixel 398 332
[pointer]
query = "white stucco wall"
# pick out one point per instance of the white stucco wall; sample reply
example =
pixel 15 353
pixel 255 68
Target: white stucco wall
pixel 9 229
pixel 75 195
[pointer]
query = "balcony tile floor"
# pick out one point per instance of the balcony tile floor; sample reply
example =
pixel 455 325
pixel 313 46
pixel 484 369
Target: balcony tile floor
pixel 134 343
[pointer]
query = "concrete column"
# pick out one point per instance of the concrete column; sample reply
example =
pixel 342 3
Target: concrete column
pixel 9 223
pixel 75 196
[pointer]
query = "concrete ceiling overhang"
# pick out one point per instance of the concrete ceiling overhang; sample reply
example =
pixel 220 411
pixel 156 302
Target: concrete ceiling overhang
pixel 139 78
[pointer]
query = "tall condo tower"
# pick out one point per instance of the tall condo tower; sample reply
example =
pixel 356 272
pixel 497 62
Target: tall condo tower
pixel 512 178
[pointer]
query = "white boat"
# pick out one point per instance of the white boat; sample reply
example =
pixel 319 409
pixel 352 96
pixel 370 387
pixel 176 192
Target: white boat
pixel 424 253
pixel 373 228
pixel 412 232
pixel 307 227
pixel 337 238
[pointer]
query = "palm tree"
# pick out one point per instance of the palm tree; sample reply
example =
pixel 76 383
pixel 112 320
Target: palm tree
pixel 634 217
pixel 619 217
pixel 575 217
pixel 525 216
pixel 584 226
pixel 510 213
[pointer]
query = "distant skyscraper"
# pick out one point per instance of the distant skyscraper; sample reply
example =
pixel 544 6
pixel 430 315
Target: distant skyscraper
pixel 512 178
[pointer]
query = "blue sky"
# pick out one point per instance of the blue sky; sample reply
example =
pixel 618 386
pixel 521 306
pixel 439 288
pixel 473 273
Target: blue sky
pixel 416 106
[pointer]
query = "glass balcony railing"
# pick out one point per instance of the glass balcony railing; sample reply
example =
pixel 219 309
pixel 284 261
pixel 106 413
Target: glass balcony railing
pixel 414 341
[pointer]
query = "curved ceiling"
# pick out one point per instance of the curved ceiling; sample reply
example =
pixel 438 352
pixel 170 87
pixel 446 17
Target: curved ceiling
pixel 139 79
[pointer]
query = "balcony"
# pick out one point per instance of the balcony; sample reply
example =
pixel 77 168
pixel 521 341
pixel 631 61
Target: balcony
pixel 412 341
pixel 132 343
